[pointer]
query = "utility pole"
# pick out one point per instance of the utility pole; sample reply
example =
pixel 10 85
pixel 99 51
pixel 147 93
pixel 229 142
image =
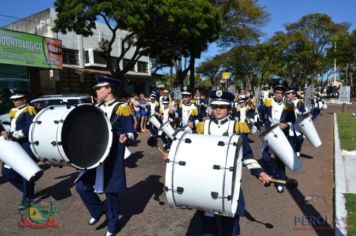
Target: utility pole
pixel 334 82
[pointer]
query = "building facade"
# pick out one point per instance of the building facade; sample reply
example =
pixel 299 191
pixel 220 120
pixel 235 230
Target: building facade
pixel 81 58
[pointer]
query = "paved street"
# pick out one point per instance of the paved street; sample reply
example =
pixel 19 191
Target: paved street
pixel 307 210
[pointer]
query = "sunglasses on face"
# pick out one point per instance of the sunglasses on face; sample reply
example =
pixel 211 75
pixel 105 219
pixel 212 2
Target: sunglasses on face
pixel 220 107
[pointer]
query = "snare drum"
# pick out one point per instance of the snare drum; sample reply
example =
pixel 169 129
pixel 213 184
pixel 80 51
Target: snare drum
pixel 79 136
pixel 208 180
pixel 307 127
pixel 279 144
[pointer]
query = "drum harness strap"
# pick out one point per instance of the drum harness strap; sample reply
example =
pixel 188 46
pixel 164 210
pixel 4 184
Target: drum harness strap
pixel 229 131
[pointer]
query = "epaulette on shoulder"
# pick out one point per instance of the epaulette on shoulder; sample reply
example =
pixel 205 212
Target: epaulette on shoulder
pixel 194 111
pixel 200 127
pixel 30 110
pixel 301 100
pixel 289 106
pixel 268 102
pixel 180 105
pixel 123 110
pixel 12 113
pixel 157 104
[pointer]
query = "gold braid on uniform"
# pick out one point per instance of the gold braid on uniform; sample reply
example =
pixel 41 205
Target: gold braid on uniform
pixel 289 106
pixel 200 127
pixel 180 104
pixel 12 113
pixel 30 110
pixel 123 110
pixel 268 102
pixel 195 111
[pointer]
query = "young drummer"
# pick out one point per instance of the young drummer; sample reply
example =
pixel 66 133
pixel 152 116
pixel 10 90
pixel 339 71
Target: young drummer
pixel 222 125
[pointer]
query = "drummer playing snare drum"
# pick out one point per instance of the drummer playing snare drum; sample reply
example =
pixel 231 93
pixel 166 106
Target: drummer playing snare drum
pixel 222 125
pixel 21 117
pixel 274 111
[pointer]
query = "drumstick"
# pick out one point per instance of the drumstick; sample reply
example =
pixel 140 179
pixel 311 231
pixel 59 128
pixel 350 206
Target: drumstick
pixel 152 141
pixel 289 183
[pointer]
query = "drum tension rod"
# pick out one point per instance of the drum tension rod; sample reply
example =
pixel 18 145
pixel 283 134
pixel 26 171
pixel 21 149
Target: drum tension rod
pixel 37 122
pixel 35 143
pixel 54 143
pixel 179 190
pixel 215 195
pixel 57 121
pixel 181 163
pixel 187 140
pixel 218 167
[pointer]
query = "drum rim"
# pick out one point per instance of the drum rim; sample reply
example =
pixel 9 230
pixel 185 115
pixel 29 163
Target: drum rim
pixel 302 117
pixel 266 131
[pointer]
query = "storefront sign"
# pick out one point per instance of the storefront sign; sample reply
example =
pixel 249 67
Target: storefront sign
pixel 18 48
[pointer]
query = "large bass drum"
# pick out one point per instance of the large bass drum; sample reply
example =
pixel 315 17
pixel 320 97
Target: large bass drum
pixel 204 172
pixel 78 136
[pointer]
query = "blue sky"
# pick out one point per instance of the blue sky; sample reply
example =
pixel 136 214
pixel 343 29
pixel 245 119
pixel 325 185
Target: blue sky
pixel 281 12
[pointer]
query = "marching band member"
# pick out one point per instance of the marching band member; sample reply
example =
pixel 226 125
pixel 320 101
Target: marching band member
pixel 21 117
pixel 187 111
pixel 199 101
pixel 242 113
pixel 152 108
pixel 108 177
pixel 276 111
pixel 299 109
pixel 167 114
pixel 222 125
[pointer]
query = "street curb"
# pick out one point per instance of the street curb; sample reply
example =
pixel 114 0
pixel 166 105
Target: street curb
pixel 340 185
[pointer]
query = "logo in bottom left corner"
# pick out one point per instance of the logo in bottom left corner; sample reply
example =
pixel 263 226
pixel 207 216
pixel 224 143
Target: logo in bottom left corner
pixel 39 214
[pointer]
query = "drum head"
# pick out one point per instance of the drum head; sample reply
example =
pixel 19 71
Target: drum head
pixel 85 136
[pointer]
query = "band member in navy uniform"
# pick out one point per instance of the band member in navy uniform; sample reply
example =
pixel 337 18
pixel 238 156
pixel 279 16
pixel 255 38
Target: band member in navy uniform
pixel 153 108
pixel 187 111
pixel 108 177
pixel 222 125
pixel 276 110
pixel 21 117
pixel 299 109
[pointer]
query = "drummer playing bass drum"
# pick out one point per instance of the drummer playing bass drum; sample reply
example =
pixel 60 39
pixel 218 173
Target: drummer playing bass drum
pixel 110 176
pixel 220 124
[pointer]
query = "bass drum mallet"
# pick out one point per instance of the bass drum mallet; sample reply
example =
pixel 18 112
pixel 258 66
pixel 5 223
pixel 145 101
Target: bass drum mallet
pixel 289 183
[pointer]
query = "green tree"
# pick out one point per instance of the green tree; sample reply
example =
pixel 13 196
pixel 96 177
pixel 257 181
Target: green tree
pixel 316 34
pixel 167 30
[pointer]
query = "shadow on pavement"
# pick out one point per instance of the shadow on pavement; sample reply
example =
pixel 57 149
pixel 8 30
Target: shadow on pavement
pixel 312 219
pixel 306 156
pixel 134 200
pixel 131 161
pixel 195 225
pixel 253 219
pixel 60 190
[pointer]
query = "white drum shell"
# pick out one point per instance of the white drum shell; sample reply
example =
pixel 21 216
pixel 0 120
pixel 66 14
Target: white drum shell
pixel 279 144
pixel 155 122
pixel 198 178
pixel 46 135
pixel 307 127
pixel 168 130
pixel 13 155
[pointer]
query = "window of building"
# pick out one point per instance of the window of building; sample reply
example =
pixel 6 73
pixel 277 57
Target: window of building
pixel 125 63
pixel 142 67
pixel 70 56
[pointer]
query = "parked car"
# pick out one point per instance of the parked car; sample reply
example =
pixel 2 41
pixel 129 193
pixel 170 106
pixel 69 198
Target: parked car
pixel 66 99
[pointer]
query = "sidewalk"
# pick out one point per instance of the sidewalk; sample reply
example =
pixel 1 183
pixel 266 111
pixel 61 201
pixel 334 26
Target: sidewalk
pixel 345 165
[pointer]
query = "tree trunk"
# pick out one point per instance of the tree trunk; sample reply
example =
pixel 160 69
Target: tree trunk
pixel 192 72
